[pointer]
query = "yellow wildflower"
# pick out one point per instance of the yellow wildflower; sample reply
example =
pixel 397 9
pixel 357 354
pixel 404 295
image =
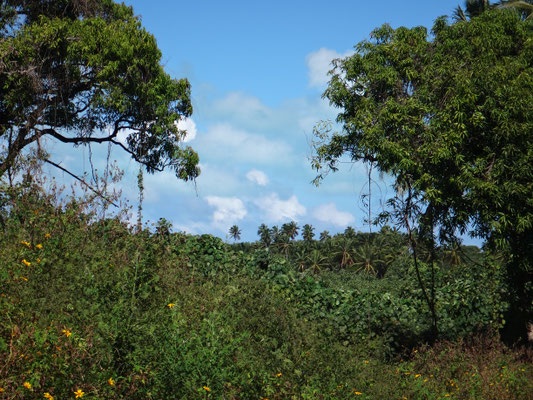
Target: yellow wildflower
pixel 207 389
pixel 27 244
pixel 23 278
pixel 2 390
pixel 27 385
pixel 425 380
pixel 417 376
pixel 111 381
pixel 79 393
pixel 67 332
pixel 48 396
pixel 357 393
pixel 170 305
pixel 278 374
pixel 26 263
pixel 39 246
pixel 366 362
pixel 47 236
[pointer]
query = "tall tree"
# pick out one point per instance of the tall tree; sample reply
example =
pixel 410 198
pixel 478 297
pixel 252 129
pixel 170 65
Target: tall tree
pixel 265 235
pixel 235 233
pixel 308 233
pixel 448 116
pixel 290 229
pixel 85 72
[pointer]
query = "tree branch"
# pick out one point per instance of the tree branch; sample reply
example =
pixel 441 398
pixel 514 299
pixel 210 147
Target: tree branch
pixel 81 180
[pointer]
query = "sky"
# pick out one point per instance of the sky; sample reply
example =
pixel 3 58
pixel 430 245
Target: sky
pixel 258 71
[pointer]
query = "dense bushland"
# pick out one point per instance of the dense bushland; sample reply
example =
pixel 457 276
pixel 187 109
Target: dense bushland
pixel 92 309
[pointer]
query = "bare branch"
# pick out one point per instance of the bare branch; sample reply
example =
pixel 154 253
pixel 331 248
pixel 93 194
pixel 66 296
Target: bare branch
pixel 81 180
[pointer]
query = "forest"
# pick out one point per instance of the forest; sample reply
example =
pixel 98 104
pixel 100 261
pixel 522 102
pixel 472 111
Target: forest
pixel 96 304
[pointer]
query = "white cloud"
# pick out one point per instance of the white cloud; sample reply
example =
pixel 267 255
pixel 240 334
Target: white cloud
pixel 224 142
pixel 189 126
pixel 319 64
pixel 228 210
pixel 276 210
pixel 258 177
pixel 242 105
pixel 329 213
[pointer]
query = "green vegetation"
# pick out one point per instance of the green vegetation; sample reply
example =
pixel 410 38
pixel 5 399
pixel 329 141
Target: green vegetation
pixel 449 117
pixel 95 308
pixel 84 72
pixel 91 307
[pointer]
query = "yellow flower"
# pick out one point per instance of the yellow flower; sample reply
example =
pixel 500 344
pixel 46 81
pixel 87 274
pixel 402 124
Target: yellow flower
pixel 24 279
pixel 447 395
pixel 47 236
pixel 207 389
pixel 39 246
pixel 48 396
pixel 67 332
pixel 2 390
pixel 366 362
pixel 79 393
pixel 111 381
pixel 278 374
pixel 425 380
pixel 417 376
pixel 27 385
pixel 170 305
pixel 357 393
pixel 26 263
pixel 27 244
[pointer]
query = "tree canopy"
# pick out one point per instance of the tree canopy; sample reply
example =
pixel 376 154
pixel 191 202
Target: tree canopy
pixel 448 114
pixel 82 72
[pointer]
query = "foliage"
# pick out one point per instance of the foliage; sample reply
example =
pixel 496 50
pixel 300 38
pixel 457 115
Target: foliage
pixel 89 305
pixel 85 72
pixel 449 117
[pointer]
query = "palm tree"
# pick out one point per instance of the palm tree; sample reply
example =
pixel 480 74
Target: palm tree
pixel 264 235
pixel 235 232
pixel 324 236
pixel 290 229
pixel 349 232
pixel 366 259
pixel 344 250
pixel 308 233
pixel 316 261
pixel 525 8
pixel 473 8
pixel 276 234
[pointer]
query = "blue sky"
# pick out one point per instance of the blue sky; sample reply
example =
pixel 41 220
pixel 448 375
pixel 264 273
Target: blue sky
pixel 258 70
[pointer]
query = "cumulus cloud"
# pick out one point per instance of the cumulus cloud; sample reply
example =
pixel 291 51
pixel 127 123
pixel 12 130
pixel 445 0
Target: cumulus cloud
pixel 277 210
pixel 329 213
pixel 189 126
pixel 228 210
pixel 258 177
pixel 224 142
pixel 319 64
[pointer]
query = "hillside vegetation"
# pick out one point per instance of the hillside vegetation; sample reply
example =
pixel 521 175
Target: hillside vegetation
pixel 96 310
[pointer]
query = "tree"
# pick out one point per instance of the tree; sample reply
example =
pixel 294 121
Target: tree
pixel 474 8
pixel 324 236
pixel 308 233
pixel 264 235
pixel 290 229
pixel 83 72
pixel 235 232
pixel 449 117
